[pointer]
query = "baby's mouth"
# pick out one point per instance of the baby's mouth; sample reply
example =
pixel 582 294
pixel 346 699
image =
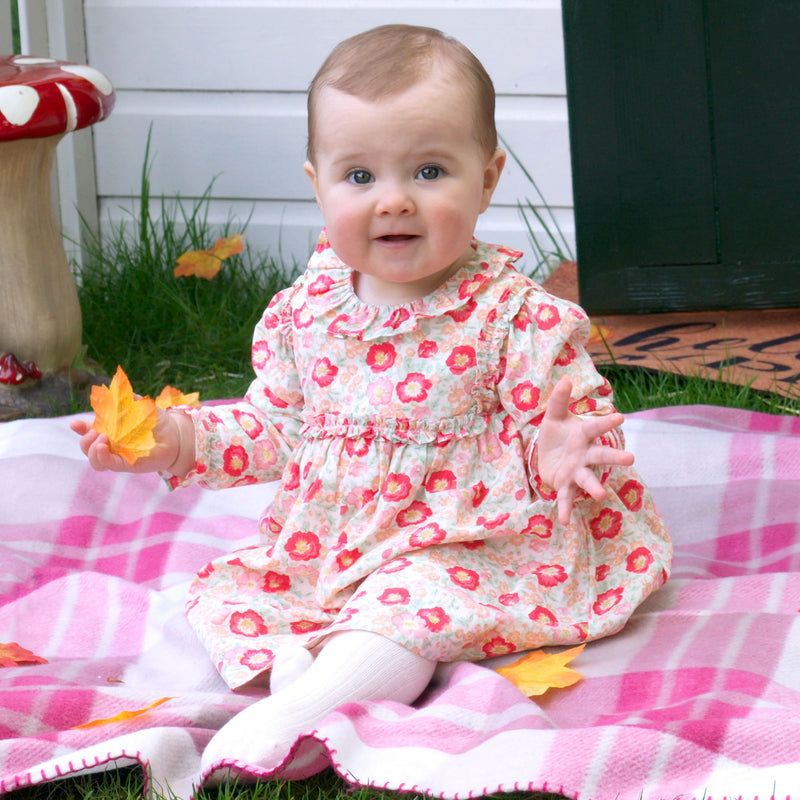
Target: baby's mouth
pixel 397 237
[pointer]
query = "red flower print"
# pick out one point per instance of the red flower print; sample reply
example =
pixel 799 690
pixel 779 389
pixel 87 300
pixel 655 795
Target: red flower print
pixel 303 546
pixel 508 599
pixel 356 447
pixel 461 359
pixel 427 535
pixel 247 623
pixel 494 522
pixel 381 357
pixel 397 565
pixel 539 525
pixel 398 317
pixel 248 422
pixel 291 476
pixel 414 389
pixel 522 319
pixel 639 560
pixel 260 354
pixel 544 616
pixel 465 578
pixel 546 316
pixel 471 285
pixel 428 349
pixel 302 317
pixel 632 495
pixel 320 285
pixel 274 399
pixel 323 372
pixel 586 405
pixel 257 660
pixel 442 480
pixel 338 324
pixel 347 558
pixel 479 492
pixel 525 396
pixel 313 489
pixel 435 619
pixel 498 647
pixel 606 525
pixel 509 432
pixel 304 626
pixel 606 601
pixel 394 597
pixel 566 356
pixel 275 582
pixel 601 572
pixel 550 574
pixel 415 514
pixel 235 460
pixel 397 487
pixel 464 313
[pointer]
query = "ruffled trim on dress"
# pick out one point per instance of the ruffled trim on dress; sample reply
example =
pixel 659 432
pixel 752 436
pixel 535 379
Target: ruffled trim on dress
pixel 330 293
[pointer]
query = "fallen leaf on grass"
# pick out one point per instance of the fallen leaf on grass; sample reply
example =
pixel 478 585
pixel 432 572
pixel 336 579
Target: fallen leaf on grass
pixel 207 263
pixel 122 716
pixel 170 396
pixel 126 421
pixel 13 655
pixel 538 671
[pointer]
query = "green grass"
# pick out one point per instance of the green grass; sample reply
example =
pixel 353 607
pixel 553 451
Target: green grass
pixel 188 332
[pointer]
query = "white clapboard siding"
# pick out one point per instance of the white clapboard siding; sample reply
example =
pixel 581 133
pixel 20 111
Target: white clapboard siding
pixel 6 38
pixel 221 86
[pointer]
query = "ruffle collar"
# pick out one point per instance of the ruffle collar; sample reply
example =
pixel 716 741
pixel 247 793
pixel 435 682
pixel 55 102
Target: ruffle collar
pixel 330 293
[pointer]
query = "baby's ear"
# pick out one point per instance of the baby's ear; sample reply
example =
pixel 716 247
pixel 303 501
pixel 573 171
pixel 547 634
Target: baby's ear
pixel 491 176
pixel 309 170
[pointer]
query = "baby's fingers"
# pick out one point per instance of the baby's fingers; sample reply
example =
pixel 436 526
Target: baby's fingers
pixel 602 455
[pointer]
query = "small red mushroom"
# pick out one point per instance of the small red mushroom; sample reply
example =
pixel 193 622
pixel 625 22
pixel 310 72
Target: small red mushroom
pixel 41 100
pixel 13 372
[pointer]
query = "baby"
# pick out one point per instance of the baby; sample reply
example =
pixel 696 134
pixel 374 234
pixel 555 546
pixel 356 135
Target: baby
pixel 453 483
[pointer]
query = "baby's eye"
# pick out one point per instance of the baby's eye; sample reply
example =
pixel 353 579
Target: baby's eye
pixel 430 172
pixel 359 177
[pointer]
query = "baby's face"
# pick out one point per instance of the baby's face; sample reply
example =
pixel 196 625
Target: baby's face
pixel 401 182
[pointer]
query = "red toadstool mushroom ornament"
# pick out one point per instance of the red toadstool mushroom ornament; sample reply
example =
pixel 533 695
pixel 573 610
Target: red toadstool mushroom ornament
pixel 41 100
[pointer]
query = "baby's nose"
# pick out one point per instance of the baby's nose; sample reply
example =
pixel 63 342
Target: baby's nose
pixel 395 199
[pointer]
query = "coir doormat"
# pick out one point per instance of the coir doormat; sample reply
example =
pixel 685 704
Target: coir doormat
pixel 759 348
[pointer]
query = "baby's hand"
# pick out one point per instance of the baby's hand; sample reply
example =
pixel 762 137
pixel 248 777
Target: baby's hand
pixel 568 449
pixel 162 457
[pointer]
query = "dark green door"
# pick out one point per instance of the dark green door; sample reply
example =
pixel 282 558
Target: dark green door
pixel 685 137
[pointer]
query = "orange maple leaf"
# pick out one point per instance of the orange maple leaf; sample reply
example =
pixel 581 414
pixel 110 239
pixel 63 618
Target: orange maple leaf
pixel 12 655
pixel 536 672
pixel 207 263
pixel 126 421
pixel 170 396
pixel 122 716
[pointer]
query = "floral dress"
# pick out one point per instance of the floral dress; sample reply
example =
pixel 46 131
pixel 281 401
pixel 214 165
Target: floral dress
pixel 409 503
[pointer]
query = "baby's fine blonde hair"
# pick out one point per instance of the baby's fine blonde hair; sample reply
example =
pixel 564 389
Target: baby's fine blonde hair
pixel 389 59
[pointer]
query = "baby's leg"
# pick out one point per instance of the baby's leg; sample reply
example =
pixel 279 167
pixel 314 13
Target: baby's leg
pixel 352 666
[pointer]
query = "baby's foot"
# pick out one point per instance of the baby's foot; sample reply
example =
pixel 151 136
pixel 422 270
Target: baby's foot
pixel 258 736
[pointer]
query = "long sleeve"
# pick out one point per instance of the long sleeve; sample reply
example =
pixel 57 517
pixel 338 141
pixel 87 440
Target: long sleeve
pixel 546 341
pixel 250 441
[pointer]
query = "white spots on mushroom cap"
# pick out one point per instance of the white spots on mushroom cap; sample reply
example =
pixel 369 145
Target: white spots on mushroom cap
pixel 72 110
pixel 32 60
pixel 97 79
pixel 17 103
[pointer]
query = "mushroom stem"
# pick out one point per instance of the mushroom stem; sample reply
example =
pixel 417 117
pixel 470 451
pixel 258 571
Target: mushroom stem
pixel 40 316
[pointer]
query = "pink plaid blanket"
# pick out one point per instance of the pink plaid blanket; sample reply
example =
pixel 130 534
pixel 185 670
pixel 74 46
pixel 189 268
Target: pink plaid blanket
pixel 699 697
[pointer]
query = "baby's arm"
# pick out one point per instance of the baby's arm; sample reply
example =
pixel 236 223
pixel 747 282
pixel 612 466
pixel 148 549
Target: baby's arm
pixel 174 451
pixel 568 449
